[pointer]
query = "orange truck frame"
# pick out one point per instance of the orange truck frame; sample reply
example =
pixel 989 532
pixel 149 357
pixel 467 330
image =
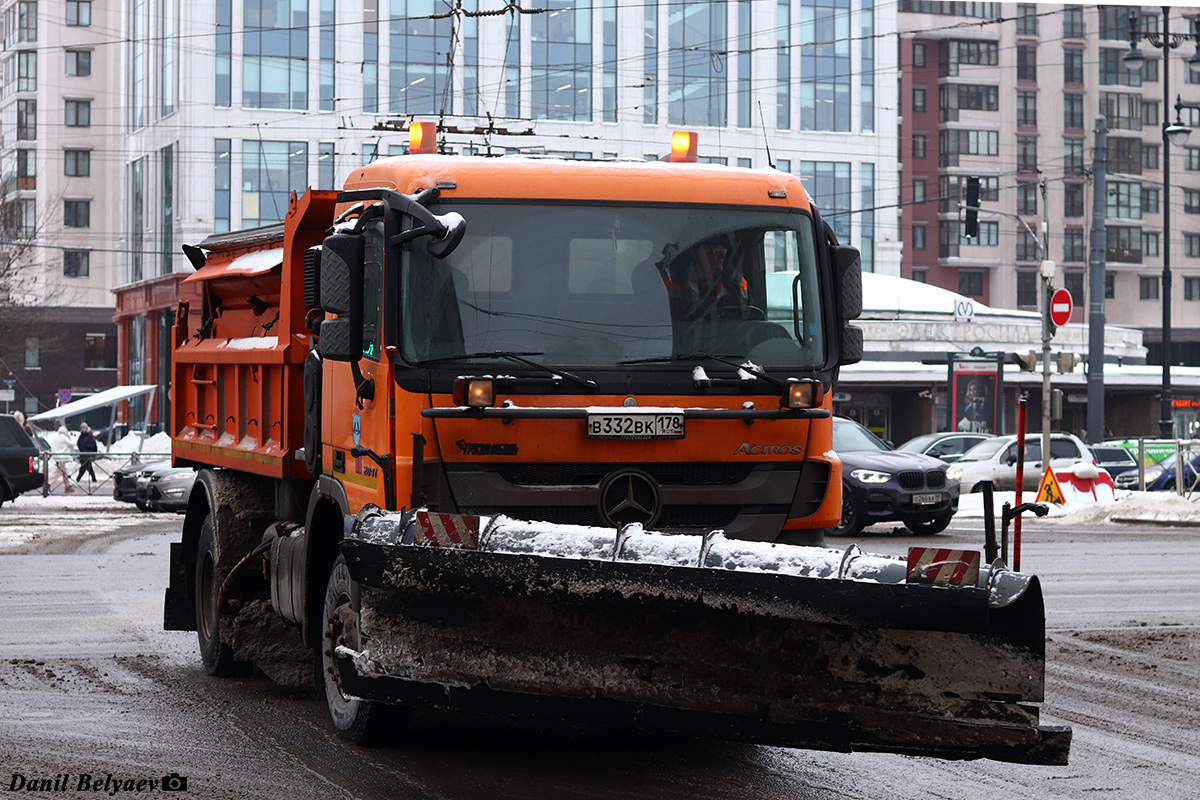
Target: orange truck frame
pixel 455 341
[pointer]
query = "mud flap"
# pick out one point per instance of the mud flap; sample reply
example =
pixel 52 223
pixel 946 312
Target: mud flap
pixel 771 658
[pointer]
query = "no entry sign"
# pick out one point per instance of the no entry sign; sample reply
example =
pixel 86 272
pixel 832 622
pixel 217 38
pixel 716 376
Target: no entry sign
pixel 1060 307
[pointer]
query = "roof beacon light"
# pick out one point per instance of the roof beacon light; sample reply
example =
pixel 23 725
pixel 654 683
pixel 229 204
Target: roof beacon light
pixel 422 138
pixel 683 146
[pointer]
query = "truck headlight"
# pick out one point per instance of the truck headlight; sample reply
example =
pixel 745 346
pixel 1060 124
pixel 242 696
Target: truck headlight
pixel 870 476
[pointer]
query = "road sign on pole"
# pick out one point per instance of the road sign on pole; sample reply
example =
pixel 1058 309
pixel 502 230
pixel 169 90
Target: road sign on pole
pixel 1060 307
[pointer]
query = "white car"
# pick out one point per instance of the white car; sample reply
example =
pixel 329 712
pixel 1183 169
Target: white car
pixel 995 460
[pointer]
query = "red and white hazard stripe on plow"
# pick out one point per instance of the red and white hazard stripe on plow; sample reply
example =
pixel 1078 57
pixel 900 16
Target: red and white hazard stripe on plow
pixel 447 530
pixel 940 565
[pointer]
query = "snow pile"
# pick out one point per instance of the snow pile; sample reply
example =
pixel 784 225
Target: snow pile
pixel 138 442
pixel 713 551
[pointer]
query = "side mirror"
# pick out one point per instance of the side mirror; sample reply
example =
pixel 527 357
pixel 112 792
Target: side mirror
pixel 847 273
pixel 341 289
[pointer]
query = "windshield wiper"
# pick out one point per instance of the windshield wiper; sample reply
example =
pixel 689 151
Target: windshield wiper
pixel 519 357
pixel 724 359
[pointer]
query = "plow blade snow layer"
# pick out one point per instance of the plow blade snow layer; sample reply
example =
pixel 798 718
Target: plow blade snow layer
pixel 703 636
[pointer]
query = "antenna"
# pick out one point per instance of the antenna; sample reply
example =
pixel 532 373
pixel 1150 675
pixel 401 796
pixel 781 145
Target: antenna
pixel 767 144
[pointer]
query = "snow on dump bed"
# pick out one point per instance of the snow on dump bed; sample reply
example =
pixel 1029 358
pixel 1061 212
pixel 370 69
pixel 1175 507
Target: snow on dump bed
pixel 713 551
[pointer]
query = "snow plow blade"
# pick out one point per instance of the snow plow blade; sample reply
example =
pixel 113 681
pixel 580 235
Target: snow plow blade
pixel 702 636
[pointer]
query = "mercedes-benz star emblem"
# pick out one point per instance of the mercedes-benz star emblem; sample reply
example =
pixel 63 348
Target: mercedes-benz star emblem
pixel 629 496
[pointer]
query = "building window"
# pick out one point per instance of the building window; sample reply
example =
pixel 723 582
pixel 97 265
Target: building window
pixel 1114 22
pixel 1149 243
pixel 1073 22
pixel 325 166
pixel 326 67
pixel 1027 289
pixel 33 353
pixel 27 71
pixel 1149 201
pixel 1072 111
pixel 1110 285
pixel 1124 111
pixel 1027 62
pixel 79 13
pixel 1027 109
pixel 952 189
pixel 79 114
pixel 1114 72
pixel 918 99
pixel 1191 158
pixel 1149 156
pixel 1123 244
pixel 77 213
pixel 825 68
pixel 224 54
pixel 1125 201
pixel 696 82
pixel 1027 21
pixel 956 53
pixel 77 163
pixel 26 169
pixel 271 171
pixel 27 13
pixel 920 275
pixel 969 97
pixel 562 62
pixel 918 237
pixel 1027 247
pixel 1191 288
pixel 1072 65
pixel 79 63
pixel 1150 113
pixel 830 180
pixel 970 283
pixel 99 351
pixel 1148 287
pixel 26 120
pixel 1191 245
pixel 1073 200
pixel 783 65
pixel 919 141
pixel 1073 283
pixel 1125 155
pixel 1027 198
pixel 1191 201
pixel 918 54
pixel 1027 158
pixel 918 192
pixel 76 263
pixel 745 63
pixel 1073 246
pixel 971 143
pixel 275 60
pixel 222 155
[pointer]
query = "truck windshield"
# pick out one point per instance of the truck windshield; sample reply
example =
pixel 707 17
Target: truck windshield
pixel 602 285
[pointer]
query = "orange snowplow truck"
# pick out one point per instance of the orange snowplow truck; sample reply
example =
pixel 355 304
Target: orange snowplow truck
pixel 532 435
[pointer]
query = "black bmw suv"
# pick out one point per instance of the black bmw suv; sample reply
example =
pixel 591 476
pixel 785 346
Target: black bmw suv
pixel 880 484
pixel 19 460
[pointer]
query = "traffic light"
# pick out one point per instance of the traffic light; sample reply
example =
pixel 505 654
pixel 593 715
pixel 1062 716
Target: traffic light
pixel 1026 361
pixel 971 226
pixel 1056 403
pixel 1067 361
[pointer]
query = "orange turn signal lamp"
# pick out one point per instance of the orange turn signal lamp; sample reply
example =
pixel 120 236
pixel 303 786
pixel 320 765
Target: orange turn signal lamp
pixel 804 394
pixel 474 392
pixel 422 138
pixel 683 146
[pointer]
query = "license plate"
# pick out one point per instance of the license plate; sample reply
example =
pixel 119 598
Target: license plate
pixel 635 426
pixel 926 499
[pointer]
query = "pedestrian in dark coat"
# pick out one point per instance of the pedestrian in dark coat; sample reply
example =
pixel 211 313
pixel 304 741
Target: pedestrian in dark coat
pixel 86 444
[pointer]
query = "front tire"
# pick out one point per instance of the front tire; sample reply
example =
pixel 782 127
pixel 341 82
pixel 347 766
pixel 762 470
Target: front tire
pixel 216 655
pixel 355 720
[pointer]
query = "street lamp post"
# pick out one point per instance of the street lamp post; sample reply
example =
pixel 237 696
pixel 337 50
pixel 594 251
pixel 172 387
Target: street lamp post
pixel 1175 133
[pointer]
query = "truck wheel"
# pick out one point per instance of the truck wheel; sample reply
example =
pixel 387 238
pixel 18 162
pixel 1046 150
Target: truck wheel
pixel 928 526
pixel 356 720
pixel 217 656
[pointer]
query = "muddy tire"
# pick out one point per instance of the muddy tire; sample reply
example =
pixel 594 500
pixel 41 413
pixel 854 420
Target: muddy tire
pixel 853 520
pixel 355 720
pixel 217 656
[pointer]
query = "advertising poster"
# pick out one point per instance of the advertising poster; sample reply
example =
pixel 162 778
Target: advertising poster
pixel 974 389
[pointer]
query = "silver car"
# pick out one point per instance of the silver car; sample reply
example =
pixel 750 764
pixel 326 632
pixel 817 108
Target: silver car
pixel 995 460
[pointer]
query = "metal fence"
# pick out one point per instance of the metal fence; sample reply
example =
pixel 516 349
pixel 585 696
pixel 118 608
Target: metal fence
pixel 61 471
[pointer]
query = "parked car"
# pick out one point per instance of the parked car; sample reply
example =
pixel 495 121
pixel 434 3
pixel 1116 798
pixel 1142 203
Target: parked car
pixel 165 489
pixel 125 479
pixel 947 445
pixel 1115 460
pixel 880 484
pixel 996 460
pixel 1164 473
pixel 20 465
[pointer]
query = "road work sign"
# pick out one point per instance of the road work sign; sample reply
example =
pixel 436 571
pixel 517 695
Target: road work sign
pixel 1049 491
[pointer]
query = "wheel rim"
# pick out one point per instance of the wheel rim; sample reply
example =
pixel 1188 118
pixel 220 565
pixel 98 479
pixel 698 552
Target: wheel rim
pixel 847 515
pixel 342 632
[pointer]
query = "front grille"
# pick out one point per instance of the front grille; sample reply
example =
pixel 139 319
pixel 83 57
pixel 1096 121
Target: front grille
pixel 934 479
pixel 683 474
pixel 672 517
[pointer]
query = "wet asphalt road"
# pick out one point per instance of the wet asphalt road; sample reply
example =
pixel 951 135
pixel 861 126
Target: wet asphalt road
pixel 92 689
